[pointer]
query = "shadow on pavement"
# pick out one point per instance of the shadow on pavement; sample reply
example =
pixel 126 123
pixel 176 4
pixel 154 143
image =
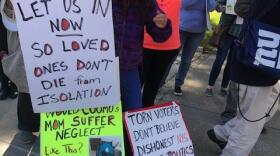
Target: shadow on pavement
pixel 16 148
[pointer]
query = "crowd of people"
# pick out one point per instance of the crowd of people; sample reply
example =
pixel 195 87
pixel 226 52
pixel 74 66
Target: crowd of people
pixel 149 35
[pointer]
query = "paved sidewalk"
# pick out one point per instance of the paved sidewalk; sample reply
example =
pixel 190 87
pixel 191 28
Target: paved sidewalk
pixel 200 112
pixel 9 140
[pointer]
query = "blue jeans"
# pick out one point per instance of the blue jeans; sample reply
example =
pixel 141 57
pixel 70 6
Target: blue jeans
pixel 219 61
pixel 130 96
pixel 190 42
pixel 130 89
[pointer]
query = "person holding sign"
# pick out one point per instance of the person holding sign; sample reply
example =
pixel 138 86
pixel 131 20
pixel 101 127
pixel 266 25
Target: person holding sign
pixel 8 88
pixel 13 66
pixel 130 17
pixel 159 56
pixel 3 49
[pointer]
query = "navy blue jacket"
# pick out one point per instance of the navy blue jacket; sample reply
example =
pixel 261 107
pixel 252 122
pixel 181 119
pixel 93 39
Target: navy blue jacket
pixel 243 74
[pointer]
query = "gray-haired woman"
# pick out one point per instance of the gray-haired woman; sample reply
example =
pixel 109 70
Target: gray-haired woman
pixel 13 67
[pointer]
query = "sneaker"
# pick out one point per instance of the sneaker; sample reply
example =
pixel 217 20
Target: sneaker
pixel 177 91
pixel 27 137
pixel 223 91
pixel 209 92
pixel 212 136
pixel 4 93
pixel 13 92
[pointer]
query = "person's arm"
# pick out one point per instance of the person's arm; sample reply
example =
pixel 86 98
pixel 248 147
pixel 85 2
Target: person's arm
pixel 156 22
pixel 242 7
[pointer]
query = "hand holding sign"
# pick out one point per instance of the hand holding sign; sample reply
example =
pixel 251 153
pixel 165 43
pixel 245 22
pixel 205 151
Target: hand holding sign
pixel 160 20
pixel 221 8
pixel 2 54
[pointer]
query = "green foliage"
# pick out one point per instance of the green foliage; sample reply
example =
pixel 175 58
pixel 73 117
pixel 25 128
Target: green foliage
pixel 214 19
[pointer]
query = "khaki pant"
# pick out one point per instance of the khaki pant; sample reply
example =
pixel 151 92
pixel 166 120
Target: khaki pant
pixel 13 65
pixel 240 134
pixel 231 103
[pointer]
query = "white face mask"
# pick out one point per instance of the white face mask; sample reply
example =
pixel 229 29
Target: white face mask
pixel 8 15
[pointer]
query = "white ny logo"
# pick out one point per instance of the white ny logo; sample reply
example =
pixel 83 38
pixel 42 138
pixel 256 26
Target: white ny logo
pixel 267 52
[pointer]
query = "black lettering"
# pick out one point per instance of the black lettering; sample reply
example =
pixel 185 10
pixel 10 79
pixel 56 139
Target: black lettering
pixel 64 47
pixel 84 45
pixel 46 84
pixel 76 25
pixel 131 118
pixel 37 49
pixel 105 92
pixel 48 125
pixel 92 44
pixel 97 5
pixel 110 120
pixel 22 14
pixel 64 67
pixel 42 100
pixel 35 10
pixel 67 7
pixel 77 7
pixel 55 26
pixel 76 121
pixel 46 5
pixel 107 63
pixel 54 98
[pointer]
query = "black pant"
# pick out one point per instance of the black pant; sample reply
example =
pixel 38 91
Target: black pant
pixel 3 36
pixel 3 46
pixel 155 65
pixel 222 53
pixel 27 119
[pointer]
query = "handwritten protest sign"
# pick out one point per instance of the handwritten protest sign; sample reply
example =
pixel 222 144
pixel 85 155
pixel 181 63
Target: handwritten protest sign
pixel 69 54
pixel 158 130
pixel 81 132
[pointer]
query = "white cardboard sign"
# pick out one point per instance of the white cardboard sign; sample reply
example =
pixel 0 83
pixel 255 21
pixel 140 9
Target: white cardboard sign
pixel 69 53
pixel 230 7
pixel 239 20
pixel 158 131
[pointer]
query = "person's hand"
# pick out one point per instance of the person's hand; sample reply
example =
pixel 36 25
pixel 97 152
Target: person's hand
pixel 2 54
pixel 160 20
pixel 221 8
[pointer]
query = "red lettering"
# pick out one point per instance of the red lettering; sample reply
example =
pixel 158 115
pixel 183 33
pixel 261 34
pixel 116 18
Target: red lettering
pixel 65 24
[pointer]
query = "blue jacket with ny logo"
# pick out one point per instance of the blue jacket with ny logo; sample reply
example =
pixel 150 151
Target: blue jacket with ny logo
pixel 260 70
